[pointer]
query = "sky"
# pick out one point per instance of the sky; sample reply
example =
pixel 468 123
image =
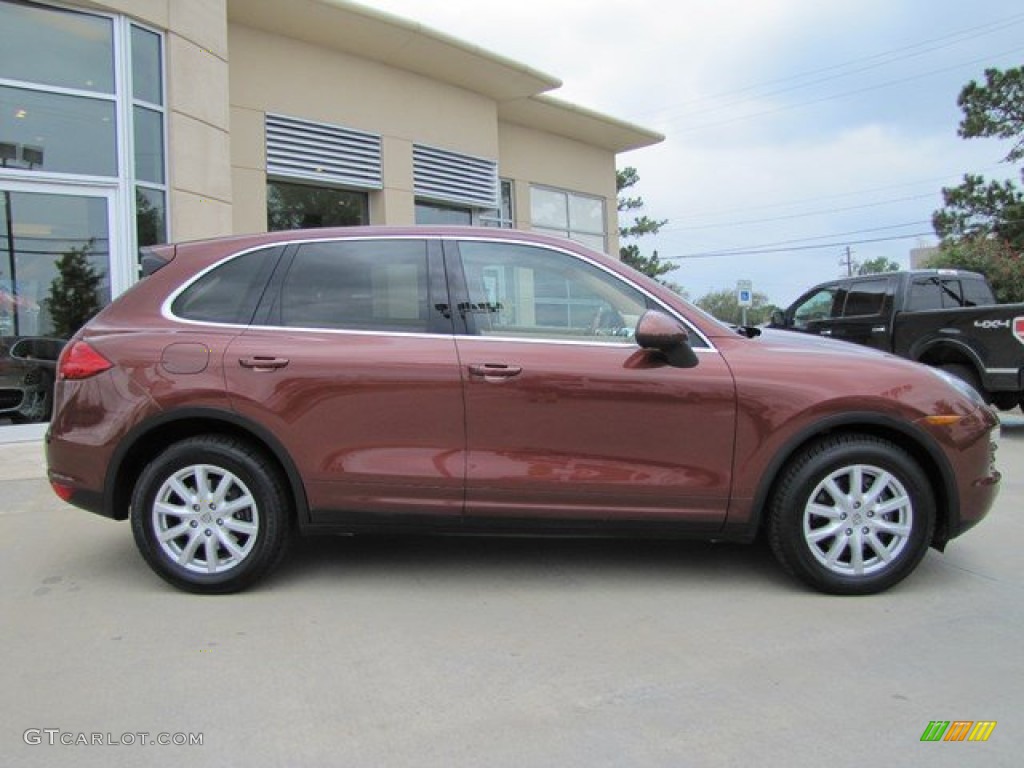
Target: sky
pixel 794 128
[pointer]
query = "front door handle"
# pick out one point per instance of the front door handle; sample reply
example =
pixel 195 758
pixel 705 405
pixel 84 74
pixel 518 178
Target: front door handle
pixel 826 332
pixel 263 363
pixel 495 370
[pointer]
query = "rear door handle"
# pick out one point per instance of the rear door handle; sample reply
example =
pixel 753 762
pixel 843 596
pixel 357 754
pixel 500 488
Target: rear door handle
pixel 260 363
pixel 495 370
pixel 826 332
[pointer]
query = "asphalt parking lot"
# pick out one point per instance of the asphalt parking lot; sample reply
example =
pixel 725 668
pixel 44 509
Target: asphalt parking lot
pixel 514 652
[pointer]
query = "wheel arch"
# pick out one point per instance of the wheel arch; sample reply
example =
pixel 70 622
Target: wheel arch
pixel 145 441
pixel 921 447
pixel 940 352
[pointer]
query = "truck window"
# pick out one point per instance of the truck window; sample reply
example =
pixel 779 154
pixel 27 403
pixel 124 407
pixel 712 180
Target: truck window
pixel 817 306
pixel 866 298
pixel 977 294
pixel 925 293
pixel 948 293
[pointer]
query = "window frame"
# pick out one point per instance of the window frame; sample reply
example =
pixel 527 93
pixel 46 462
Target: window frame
pixel 465 329
pixel 568 231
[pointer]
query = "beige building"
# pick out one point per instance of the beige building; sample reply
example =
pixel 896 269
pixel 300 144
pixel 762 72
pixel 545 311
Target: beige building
pixel 130 122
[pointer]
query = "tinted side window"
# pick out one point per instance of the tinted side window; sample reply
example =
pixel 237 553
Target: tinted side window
pixel 925 293
pixel 816 307
pixel 949 293
pixel 529 292
pixel 866 298
pixel 365 285
pixel 977 293
pixel 230 292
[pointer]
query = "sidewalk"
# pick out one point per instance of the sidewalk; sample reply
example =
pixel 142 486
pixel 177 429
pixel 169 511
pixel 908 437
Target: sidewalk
pixel 22 461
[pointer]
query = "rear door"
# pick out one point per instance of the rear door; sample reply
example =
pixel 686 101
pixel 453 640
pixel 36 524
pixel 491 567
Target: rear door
pixel 566 418
pixel 866 313
pixel 351 364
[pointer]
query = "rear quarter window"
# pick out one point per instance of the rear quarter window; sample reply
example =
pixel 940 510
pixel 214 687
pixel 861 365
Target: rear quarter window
pixel 230 292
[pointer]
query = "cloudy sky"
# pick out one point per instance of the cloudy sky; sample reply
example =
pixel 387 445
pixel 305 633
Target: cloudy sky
pixel 795 128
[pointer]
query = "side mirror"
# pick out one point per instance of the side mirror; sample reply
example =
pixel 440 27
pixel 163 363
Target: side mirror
pixel 660 333
pixel 778 318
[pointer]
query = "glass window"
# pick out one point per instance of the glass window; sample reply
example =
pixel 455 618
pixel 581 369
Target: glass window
pixel 150 216
pixel 230 292
pixel 948 293
pixel 147 80
pixel 149 145
pixel 568 214
pixel 525 291
pixel 866 298
pixel 367 285
pixel 504 216
pixel 925 293
pixel 56 47
pixel 443 215
pixel 815 308
pixel 300 206
pixel 54 132
pixel 977 293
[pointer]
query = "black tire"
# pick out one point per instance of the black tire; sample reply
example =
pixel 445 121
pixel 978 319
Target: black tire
pixel 228 537
pixel 966 373
pixel 1005 401
pixel 820 532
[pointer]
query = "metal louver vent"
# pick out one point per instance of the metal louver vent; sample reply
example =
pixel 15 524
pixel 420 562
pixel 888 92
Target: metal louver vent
pixel 321 152
pixel 453 178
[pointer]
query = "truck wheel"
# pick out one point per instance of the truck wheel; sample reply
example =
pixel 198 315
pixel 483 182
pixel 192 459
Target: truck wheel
pixel 1005 401
pixel 852 515
pixel 968 374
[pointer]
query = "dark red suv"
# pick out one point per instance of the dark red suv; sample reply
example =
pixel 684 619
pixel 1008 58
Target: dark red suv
pixel 489 381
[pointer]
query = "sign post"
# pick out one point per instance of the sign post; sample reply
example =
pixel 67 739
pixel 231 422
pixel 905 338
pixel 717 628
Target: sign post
pixel 744 296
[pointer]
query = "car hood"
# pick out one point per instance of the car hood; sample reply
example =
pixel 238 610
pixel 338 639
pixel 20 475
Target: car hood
pixel 792 340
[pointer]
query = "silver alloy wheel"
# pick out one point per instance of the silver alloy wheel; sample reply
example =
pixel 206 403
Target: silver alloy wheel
pixel 205 519
pixel 858 520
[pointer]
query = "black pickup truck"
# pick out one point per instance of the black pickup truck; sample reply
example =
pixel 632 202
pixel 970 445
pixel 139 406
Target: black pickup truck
pixel 945 318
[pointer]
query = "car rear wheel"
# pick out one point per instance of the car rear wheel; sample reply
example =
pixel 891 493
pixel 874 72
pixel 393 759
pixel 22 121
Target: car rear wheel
pixel 852 514
pixel 210 514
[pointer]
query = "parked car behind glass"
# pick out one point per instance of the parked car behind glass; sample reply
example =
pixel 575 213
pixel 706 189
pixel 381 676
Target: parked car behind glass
pixel 449 380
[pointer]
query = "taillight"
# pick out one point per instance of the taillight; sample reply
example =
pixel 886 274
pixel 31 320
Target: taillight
pixel 80 361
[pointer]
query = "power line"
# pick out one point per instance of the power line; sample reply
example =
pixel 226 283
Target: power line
pixel 891 55
pixel 837 244
pixel 856 92
pixel 791 216
pixel 797 241
pixel 836 196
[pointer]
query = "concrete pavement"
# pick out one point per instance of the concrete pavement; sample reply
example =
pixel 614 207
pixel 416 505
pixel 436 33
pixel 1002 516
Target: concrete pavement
pixel 516 652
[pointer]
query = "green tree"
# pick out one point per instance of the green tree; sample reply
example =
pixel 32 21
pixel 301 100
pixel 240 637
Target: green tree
pixel 75 292
pixel 724 305
pixel 1003 266
pixel 877 266
pixel 639 226
pixel 978 210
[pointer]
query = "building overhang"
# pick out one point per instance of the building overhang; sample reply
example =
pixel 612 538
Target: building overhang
pixel 371 34
pixel 571 121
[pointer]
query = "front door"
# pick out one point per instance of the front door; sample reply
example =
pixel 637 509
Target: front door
pixel 565 415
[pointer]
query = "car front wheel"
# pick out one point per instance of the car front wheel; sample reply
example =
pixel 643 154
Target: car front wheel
pixel 852 514
pixel 210 514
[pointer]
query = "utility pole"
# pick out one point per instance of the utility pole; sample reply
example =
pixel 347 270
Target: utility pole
pixel 848 261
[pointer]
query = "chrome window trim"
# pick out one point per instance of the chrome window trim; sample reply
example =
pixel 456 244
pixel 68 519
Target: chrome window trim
pixel 165 308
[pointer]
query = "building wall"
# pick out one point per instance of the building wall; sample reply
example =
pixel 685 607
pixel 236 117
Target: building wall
pixel 270 73
pixel 223 77
pixel 199 139
pixel 530 156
